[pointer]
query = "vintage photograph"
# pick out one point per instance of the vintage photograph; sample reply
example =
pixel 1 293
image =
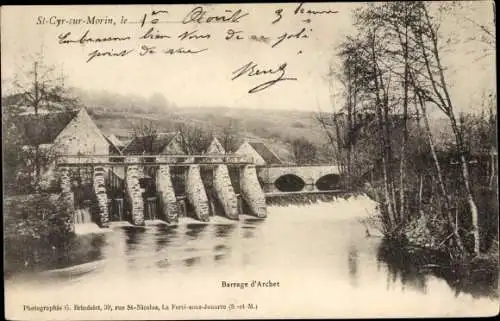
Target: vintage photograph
pixel 250 161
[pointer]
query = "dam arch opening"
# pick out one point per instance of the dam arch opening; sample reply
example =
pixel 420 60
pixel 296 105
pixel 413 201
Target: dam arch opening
pixel 289 183
pixel 328 182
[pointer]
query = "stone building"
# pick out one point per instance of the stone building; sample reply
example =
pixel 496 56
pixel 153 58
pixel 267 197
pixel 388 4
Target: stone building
pixel 68 132
pixel 258 153
pixel 61 133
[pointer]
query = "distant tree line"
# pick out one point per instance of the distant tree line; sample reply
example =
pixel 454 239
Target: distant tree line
pixel 109 101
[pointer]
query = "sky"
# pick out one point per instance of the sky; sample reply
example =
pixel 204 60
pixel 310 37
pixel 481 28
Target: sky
pixel 204 79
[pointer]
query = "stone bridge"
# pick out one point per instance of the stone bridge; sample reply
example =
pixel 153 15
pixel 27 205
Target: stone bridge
pixel 297 178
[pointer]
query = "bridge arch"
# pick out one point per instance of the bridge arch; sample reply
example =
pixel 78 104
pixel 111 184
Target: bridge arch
pixel 328 182
pixel 289 183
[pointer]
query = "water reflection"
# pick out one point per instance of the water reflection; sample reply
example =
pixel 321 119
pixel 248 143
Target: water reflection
pixel 165 235
pixel 223 230
pixel 330 248
pixel 163 264
pixel 247 234
pixel 219 257
pixel 133 236
pixel 220 247
pixel 192 261
pixel 79 250
pixel 412 270
pixel 253 221
pixel 352 263
pixel 194 230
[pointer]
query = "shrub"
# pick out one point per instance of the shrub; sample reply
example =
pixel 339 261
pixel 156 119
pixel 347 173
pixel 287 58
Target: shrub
pixel 35 227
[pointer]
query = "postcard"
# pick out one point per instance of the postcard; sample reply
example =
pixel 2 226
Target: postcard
pixel 250 161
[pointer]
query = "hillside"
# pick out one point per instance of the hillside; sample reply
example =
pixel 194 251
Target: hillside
pixel 118 114
pixel 276 128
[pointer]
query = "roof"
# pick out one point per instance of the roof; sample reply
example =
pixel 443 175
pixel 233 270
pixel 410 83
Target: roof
pixel 150 144
pixel 264 151
pixel 113 149
pixel 114 140
pixel 42 128
pixel 215 147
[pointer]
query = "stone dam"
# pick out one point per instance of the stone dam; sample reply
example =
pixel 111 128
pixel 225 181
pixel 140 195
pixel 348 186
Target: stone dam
pixel 136 188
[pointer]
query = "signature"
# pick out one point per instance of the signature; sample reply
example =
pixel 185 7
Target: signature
pixel 252 69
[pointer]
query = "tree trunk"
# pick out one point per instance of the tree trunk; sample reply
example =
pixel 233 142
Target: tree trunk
pixel 420 194
pixel 387 190
pixel 349 167
pixel 35 87
pixel 389 160
pixel 395 210
pixel 466 178
pixel 387 197
pixel 383 135
pixel 440 179
pixel 492 171
pixel 405 121
pixel 349 129
pixel 340 143
pixel 445 104
pixel 37 168
pixel 333 142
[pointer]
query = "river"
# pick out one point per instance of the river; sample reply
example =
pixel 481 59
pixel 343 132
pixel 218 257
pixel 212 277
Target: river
pixel 320 255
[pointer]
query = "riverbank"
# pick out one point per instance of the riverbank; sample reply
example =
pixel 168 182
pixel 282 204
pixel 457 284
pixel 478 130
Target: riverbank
pixel 422 244
pixel 477 276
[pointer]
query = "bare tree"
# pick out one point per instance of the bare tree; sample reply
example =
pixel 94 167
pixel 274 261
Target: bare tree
pixel 427 40
pixel 145 133
pixel 439 175
pixel 331 126
pixel 397 55
pixel 194 138
pixel 304 151
pixel 229 136
pixel 38 89
pixel 42 88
